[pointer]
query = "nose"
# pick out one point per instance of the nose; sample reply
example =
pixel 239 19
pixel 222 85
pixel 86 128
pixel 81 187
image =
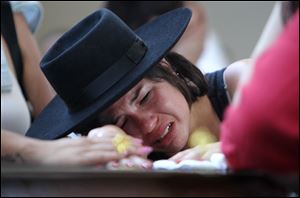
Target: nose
pixel 145 122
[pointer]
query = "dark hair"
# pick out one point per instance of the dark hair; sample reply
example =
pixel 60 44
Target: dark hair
pixel 183 75
pixel 136 13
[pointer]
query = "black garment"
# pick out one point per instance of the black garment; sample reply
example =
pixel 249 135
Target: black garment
pixel 217 92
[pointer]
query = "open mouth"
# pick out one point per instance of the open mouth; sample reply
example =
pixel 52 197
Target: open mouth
pixel 165 133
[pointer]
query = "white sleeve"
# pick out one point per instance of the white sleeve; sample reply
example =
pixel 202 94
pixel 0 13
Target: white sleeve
pixel 32 11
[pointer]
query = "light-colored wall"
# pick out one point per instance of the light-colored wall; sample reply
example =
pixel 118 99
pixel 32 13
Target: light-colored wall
pixel 238 24
pixel 59 16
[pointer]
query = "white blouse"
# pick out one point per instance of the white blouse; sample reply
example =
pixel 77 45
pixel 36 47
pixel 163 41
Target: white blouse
pixel 15 115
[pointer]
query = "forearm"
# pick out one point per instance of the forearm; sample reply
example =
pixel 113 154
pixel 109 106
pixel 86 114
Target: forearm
pixel 191 43
pixel 37 88
pixel 13 146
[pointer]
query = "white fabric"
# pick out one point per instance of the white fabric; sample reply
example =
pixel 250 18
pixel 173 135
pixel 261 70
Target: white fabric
pixel 15 114
pixel 32 12
pixel 74 135
pixel 6 78
pixel 217 163
pixel 213 56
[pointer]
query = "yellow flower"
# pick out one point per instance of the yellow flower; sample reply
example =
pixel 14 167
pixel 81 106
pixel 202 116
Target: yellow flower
pixel 201 137
pixel 122 143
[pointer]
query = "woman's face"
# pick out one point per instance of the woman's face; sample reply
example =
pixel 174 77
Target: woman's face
pixel 156 112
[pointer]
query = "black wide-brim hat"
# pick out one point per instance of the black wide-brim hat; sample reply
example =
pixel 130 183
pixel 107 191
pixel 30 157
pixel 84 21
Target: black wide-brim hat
pixel 96 62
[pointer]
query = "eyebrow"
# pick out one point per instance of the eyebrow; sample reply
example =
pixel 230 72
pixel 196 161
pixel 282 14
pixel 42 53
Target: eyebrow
pixel 136 94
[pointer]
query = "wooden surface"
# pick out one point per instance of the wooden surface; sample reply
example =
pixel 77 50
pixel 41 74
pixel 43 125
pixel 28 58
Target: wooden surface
pixel 24 180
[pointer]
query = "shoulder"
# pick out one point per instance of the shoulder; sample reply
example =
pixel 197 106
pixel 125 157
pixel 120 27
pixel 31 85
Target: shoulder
pixel 233 74
pixel 32 12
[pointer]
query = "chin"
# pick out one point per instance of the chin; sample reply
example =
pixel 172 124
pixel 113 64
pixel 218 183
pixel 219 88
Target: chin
pixel 171 150
pixel 177 145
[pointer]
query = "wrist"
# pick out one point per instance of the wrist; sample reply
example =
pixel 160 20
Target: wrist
pixel 29 149
pixel 16 147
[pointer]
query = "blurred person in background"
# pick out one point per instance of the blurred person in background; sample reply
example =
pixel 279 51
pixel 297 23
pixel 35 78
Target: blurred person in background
pixel 136 13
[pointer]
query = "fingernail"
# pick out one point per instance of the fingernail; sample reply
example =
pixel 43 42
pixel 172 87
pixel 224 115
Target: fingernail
pixel 145 150
pixel 146 165
pixel 114 164
pixel 129 164
pixel 137 141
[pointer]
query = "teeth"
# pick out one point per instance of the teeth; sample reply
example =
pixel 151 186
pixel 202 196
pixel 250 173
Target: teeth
pixel 166 131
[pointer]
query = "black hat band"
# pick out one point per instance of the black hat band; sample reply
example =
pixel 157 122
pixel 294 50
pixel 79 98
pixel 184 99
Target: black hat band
pixel 111 76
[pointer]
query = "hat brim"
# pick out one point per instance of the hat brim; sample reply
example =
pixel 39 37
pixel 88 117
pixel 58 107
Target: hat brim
pixel 160 35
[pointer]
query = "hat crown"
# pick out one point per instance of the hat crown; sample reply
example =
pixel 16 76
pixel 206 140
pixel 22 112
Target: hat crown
pixel 86 51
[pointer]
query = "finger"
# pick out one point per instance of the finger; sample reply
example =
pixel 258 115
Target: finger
pixel 191 156
pixel 134 163
pixel 100 147
pixel 207 155
pixel 110 131
pixel 109 146
pixel 95 133
pixel 142 151
pixel 177 157
pixel 140 162
pixel 107 140
pixel 129 145
pixel 112 165
pixel 135 141
pixel 123 164
pixel 96 157
pixel 107 131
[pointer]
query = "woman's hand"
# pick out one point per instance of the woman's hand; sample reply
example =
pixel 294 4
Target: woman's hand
pixel 111 132
pixel 197 153
pixel 97 148
pixel 65 151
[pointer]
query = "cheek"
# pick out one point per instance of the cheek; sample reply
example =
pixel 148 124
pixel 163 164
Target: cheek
pixel 179 108
pixel 175 104
pixel 133 133
pixel 171 103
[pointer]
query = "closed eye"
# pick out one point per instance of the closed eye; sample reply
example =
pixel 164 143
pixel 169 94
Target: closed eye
pixel 145 98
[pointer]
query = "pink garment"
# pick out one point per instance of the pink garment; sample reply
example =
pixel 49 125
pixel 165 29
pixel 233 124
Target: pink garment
pixel 262 132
